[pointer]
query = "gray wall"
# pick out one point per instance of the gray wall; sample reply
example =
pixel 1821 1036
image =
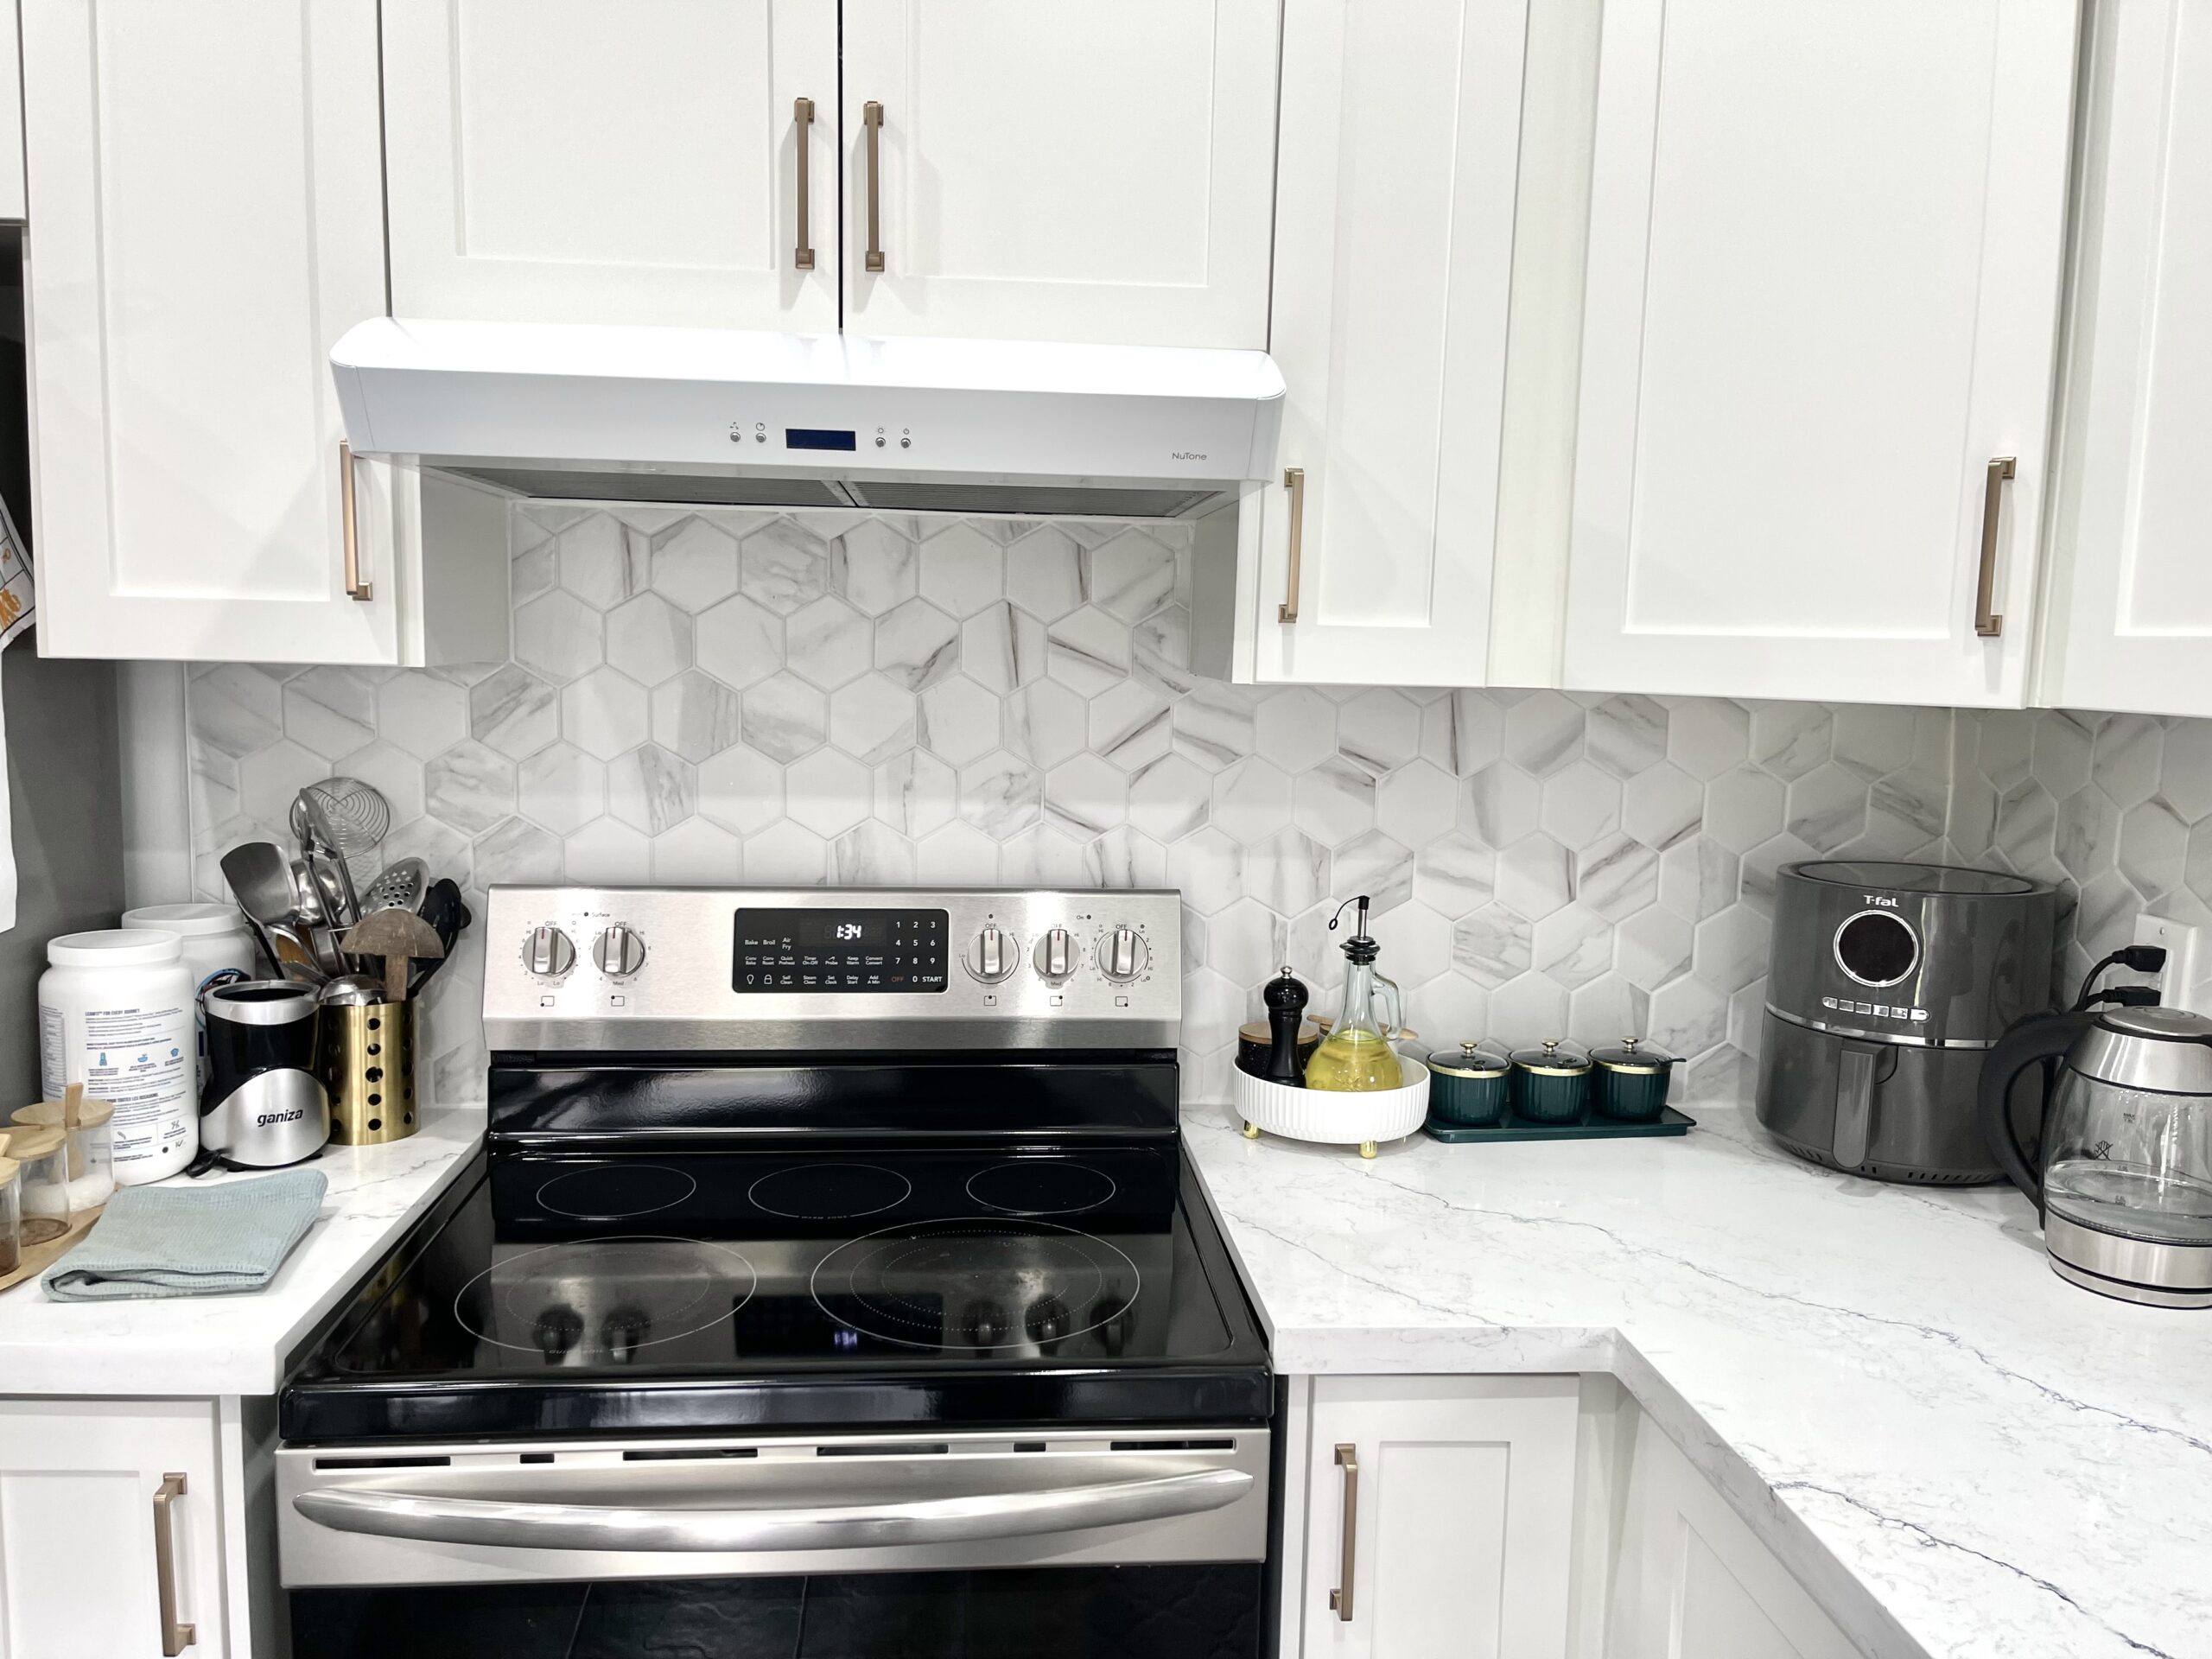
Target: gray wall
pixel 64 791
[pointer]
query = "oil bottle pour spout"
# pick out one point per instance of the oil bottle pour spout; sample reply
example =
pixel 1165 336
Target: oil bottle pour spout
pixel 1360 947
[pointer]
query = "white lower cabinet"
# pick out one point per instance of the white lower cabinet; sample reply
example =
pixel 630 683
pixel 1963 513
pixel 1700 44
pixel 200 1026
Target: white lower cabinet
pixel 97 1499
pixel 1692 1581
pixel 1439 1517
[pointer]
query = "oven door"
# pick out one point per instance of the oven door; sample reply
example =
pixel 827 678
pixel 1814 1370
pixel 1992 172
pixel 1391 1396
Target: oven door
pixel 1099 1541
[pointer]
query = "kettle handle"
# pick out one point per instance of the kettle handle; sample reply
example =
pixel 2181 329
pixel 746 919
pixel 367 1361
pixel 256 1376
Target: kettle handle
pixel 2031 1041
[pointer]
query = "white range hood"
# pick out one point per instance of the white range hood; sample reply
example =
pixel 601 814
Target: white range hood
pixel 720 416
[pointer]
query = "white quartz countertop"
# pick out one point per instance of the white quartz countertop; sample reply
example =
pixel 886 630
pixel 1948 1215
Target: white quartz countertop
pixel 1958 1452
pixel 238 1344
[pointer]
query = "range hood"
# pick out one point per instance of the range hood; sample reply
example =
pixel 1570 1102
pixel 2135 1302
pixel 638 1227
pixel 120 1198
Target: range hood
pixel 585 411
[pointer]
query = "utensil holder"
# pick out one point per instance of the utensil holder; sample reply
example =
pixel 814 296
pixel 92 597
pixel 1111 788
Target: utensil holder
pixel 368 1066
pixel 1332 1117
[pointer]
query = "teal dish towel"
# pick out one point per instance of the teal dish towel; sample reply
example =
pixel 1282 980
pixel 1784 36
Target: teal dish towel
pixel 199 1241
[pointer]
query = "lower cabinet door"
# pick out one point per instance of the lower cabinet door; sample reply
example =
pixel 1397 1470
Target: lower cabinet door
pixel 87 1532
pixel 1693 1580
pixel 1439 1517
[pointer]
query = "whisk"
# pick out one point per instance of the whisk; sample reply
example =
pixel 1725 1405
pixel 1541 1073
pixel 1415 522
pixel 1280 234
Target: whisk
pixel 356 814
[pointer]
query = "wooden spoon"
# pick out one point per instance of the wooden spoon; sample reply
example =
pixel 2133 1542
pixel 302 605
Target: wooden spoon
pixel 398 938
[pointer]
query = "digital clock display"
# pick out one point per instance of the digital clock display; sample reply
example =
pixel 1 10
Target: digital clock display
pixel 839 951
pixel 829 927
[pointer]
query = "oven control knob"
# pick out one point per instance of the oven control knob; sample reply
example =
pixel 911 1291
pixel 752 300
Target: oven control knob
pixel 619 952
pixel 1123 954
pixel 1056 956
pixel 547 952
pixel 994 954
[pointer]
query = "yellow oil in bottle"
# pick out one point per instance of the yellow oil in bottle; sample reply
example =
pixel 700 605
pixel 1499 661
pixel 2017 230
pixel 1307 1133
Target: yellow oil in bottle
pixel 1354 1060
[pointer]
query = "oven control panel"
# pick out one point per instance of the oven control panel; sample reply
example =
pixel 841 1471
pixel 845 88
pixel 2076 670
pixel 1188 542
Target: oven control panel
pixel 814 968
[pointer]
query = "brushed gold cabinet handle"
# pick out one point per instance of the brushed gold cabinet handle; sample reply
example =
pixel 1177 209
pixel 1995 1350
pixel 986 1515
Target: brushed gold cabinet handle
pixel 803 121
pixel 872 119
pixel 175 1637
pixel 1986 622
pixel 1293 480
pixel 350 524
pixel 1340 1598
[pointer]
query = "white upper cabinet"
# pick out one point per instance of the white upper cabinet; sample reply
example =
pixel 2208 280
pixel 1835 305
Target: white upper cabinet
pixel 1393 262
pixel 1044 169
pixel 11 116
pixel 1824 264
pixel 206 219
pixel 574 161
pixel 2129 625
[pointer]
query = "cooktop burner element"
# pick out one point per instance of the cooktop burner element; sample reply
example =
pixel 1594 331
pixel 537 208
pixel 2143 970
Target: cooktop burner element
pixel 829 1192
pixel 976 1283
pixel 615 1192
pixel 601 1301
pixel 1040 1186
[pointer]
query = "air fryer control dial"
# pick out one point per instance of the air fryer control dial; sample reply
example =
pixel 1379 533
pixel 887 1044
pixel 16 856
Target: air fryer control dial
pixel 1876 948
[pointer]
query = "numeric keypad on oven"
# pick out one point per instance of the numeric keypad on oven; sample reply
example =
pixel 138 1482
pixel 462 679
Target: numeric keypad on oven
pixel 772 956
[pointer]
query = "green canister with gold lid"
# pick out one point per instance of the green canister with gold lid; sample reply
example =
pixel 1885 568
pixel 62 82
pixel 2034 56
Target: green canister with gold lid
pixel 1467 1085
pixel 1551 1083
pixel 1632 1079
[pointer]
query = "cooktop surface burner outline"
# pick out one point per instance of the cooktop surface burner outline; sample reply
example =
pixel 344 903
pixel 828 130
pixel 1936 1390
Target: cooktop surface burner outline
pixel 809 1191
pixel 615 1191
pixel 1040 1186
pixel 978 1281
pixel 606 1298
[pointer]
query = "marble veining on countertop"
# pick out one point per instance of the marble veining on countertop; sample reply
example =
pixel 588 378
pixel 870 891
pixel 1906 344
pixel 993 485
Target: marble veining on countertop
pixel 239 1344
pixel 1958 1452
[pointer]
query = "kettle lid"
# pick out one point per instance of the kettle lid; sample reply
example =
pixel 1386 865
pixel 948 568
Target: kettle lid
pixel 2165 1050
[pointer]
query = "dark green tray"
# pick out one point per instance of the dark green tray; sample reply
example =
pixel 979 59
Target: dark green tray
pixel 1669 1122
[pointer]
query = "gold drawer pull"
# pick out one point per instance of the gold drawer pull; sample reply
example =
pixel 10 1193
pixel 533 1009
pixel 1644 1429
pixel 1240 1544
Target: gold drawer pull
pixel 350 525
pixel 1986 622
pixel 175 1637
pixel 1340 1598
pixel 1293 480
pixel 872 119
pixel 803 121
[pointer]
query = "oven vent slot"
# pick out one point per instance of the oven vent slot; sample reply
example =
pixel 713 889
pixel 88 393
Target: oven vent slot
pixel 321 1463
pixel 687 1453
pixel 1029 1446
pixel 1171 1445
pixel 886 1449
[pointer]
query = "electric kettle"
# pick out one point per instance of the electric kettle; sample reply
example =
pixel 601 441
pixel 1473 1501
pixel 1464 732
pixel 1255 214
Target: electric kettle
pixel 2124 1188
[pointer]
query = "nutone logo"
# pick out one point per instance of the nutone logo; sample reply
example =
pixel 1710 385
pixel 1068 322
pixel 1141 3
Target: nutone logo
pixel 1186 454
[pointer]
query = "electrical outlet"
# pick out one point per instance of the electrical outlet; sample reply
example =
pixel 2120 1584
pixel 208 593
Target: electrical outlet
pixel 2181 982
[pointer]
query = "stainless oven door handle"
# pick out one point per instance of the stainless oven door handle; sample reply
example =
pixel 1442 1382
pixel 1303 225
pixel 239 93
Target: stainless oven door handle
pixel 919 1521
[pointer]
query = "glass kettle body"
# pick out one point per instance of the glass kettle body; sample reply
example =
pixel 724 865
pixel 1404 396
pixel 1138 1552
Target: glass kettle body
pixel 2123 1175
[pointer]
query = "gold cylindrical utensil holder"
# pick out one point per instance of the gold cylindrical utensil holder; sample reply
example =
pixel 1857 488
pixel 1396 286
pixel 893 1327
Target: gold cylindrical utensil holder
pixel 368 1064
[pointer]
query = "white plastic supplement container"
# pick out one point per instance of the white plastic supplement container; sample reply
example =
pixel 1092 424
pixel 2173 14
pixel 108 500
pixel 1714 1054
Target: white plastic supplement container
pixel 218 950
pixel 116 1012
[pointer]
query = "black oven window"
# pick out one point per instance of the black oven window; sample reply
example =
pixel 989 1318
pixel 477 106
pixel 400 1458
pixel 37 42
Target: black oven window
pixel 1203 1611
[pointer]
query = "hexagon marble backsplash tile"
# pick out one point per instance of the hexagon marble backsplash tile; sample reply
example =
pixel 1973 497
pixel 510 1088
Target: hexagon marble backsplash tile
pixel 2116 808
pixel 726 697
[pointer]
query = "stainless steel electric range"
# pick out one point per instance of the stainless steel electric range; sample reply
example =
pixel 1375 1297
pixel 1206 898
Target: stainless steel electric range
pixel 833 1281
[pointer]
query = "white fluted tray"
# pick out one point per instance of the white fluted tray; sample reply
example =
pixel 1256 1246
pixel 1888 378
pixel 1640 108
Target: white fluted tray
pixel 1364 1119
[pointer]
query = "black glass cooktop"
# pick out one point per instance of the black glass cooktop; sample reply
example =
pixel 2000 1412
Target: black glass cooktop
pixel 553 1293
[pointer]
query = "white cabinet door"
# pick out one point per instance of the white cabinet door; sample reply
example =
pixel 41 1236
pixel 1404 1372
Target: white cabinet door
pixel 1393 259
pixel 1824 264
pixel 1047 169
pixel 209 218
pixel 574 161
pixel 80 1572
pixel 11 115
pixel 1693 1580
pixel 1459 1535
pixel 2131 597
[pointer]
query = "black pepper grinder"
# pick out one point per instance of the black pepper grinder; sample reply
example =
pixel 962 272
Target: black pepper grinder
pixel 1285 998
